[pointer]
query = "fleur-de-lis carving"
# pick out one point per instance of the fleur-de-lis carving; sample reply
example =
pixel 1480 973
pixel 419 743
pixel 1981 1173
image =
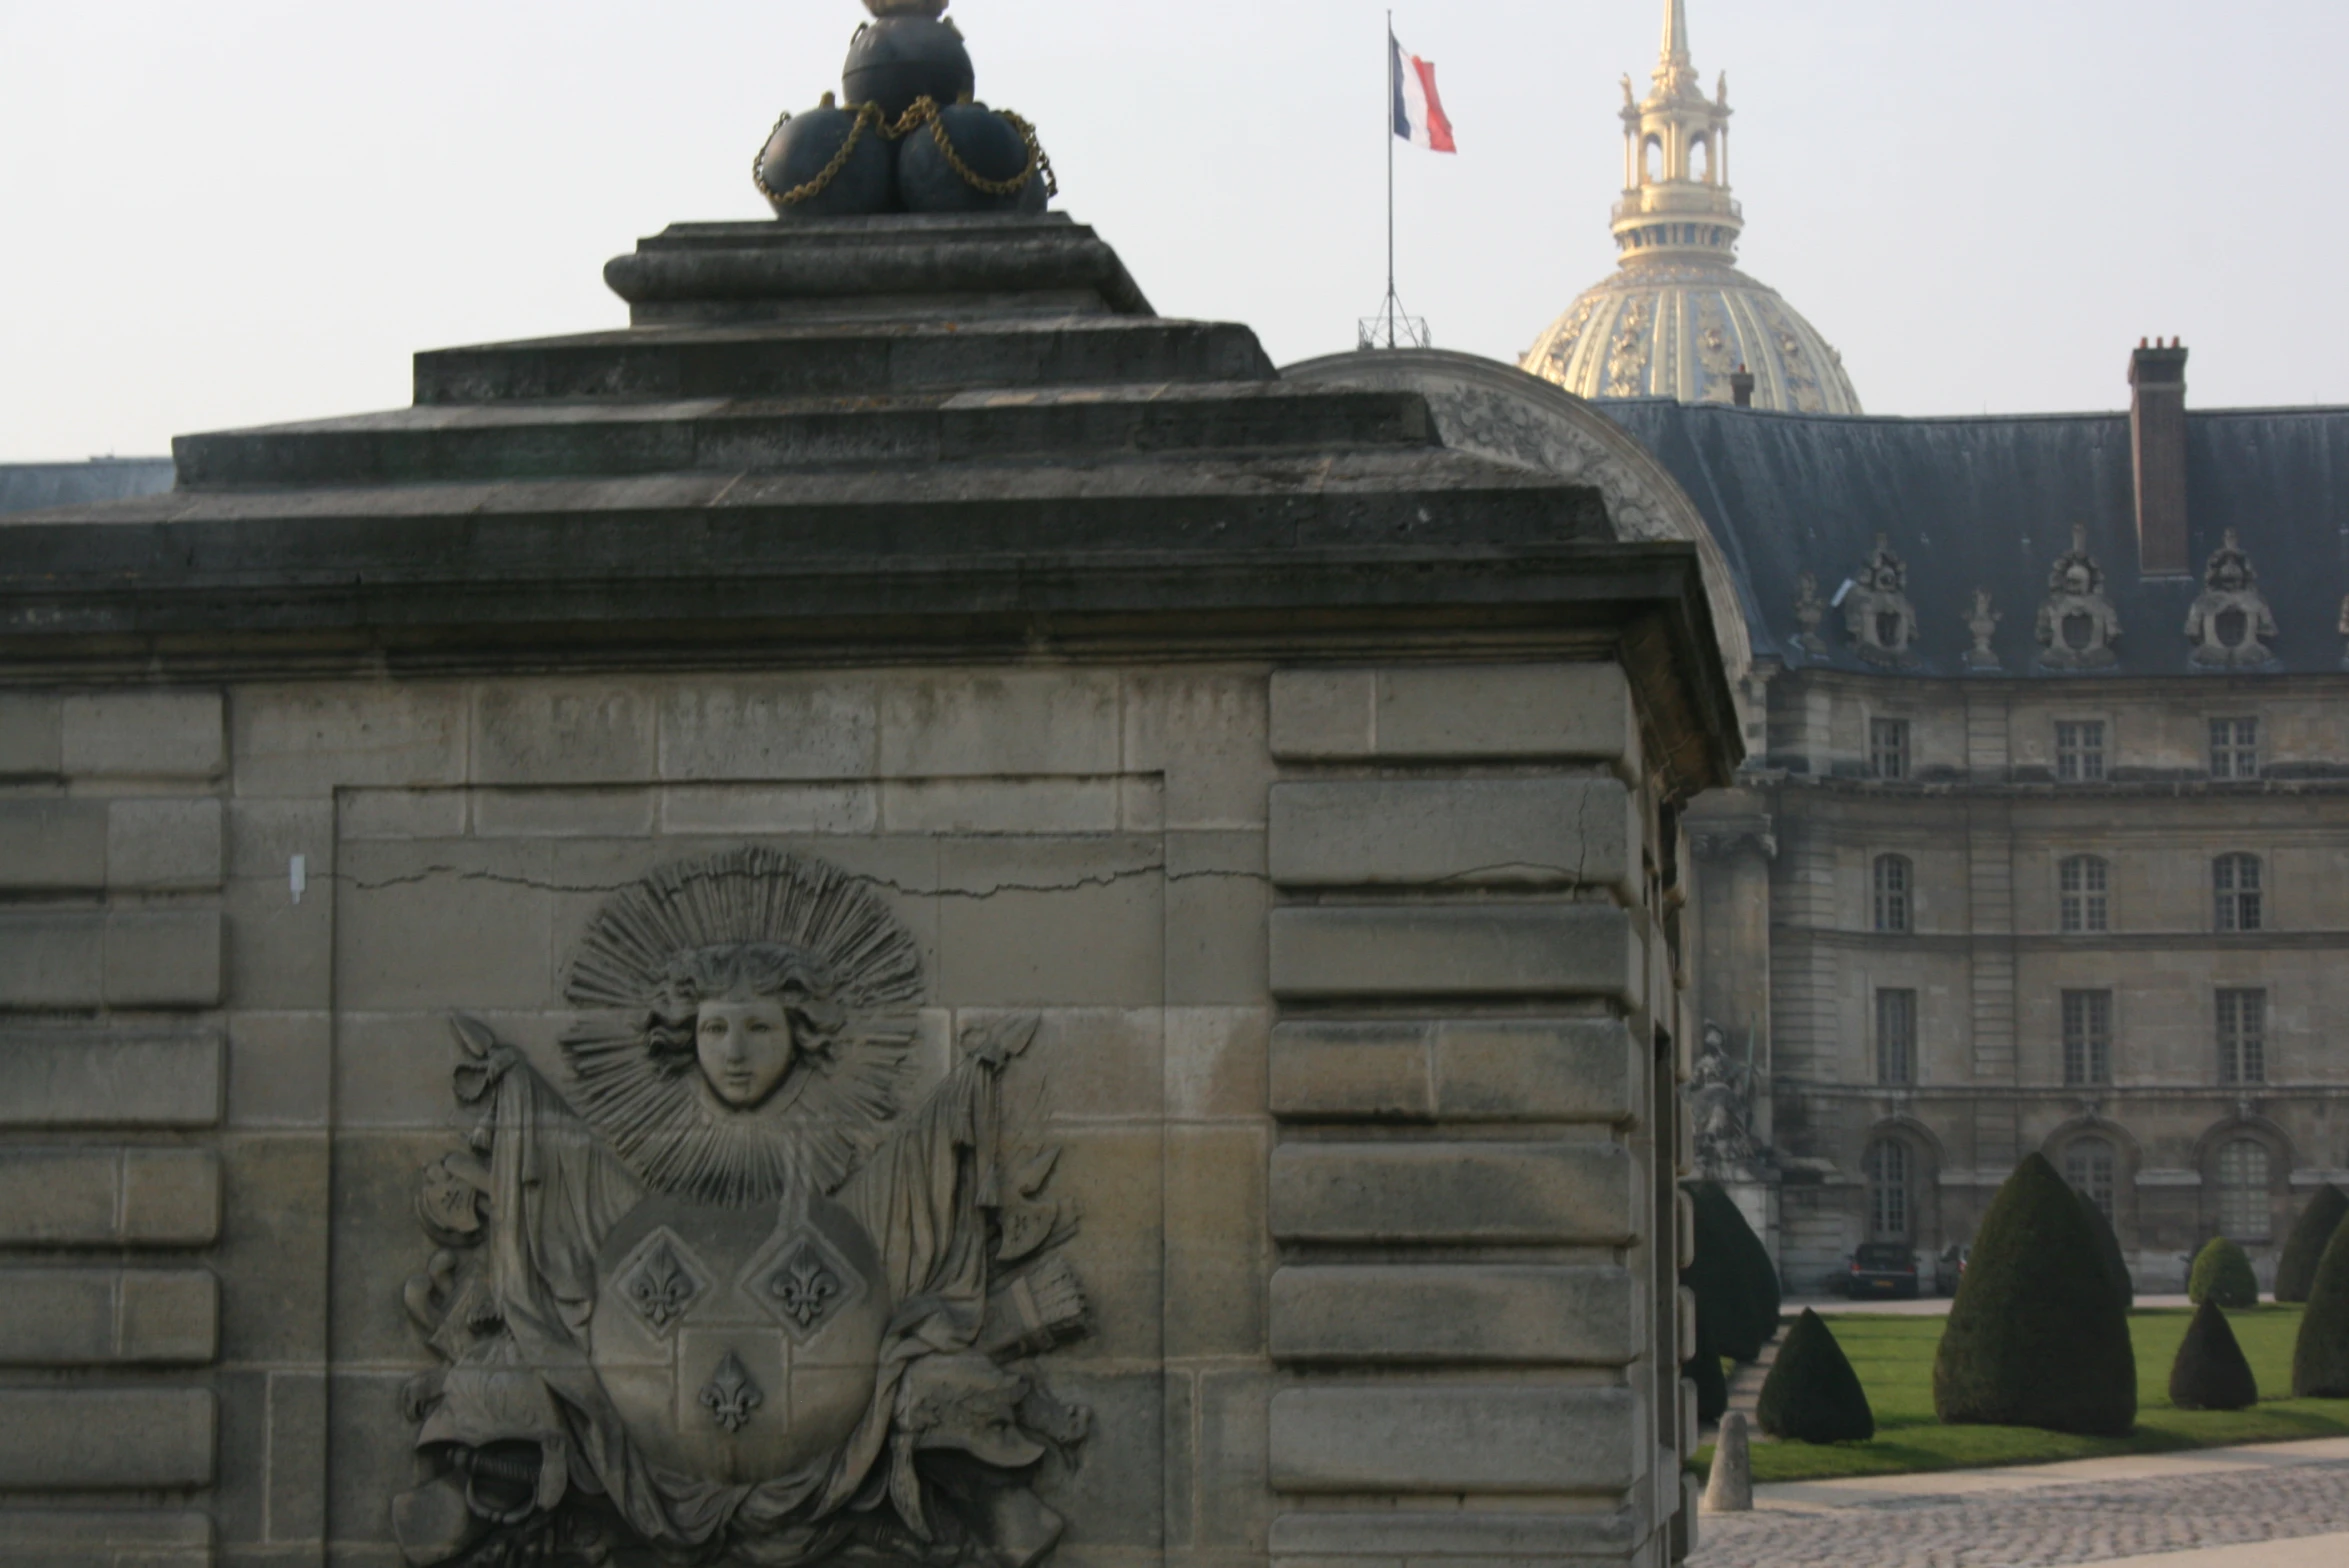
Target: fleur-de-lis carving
pixel 660 1288
pixel 805 1288
pixel 730 1396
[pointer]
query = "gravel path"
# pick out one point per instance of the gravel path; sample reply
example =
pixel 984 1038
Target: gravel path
pixel 2038 1528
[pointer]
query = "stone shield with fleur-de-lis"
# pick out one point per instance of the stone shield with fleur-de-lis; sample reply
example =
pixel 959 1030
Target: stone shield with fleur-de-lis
pixel 739 1343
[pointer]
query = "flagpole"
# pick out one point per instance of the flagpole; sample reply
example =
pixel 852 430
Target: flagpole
pixel 1393 87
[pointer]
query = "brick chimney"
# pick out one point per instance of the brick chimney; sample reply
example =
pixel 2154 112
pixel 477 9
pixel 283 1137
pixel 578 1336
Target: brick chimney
pixel 2157 440
pixel 1741 387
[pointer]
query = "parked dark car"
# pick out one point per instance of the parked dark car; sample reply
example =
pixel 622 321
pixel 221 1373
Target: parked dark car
pixel 1949 1270
pixel 1882 1268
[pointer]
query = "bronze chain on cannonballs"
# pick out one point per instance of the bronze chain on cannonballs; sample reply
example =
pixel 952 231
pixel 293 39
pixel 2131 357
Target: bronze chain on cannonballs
pixel 866 115
pixel 925 111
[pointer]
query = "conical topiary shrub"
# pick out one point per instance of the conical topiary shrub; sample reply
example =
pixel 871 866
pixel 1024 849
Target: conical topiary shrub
pixel 2296 1269
pixel 2108 1252
pixel 2222 1274
pixel 2036 1336
pixel 1712 1385
pixel 1735 1286
pixel 2210 1372
pixel 1812 1395
pixel 2320 1359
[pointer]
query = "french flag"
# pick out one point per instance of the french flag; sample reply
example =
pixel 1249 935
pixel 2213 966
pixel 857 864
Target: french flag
pixel 1419 110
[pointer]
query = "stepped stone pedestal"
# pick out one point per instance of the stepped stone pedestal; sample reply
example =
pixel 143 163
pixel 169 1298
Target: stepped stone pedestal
pixel 902 912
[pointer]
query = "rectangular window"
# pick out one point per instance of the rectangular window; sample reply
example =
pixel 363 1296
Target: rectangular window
pixel 1896 1037
pixel 2234 748
pixel 1888 748
pixel 2086 895
pixel 2235 883
pixel 2087 1037
pixel 2079 751
pixel 2242 1036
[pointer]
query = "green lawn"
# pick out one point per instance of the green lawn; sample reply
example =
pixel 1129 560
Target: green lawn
pixel 1894 1358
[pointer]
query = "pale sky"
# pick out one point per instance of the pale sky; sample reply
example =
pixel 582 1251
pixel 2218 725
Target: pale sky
pixel 229 212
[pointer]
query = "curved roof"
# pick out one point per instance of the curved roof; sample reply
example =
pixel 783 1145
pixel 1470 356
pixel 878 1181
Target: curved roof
pixel 1680 329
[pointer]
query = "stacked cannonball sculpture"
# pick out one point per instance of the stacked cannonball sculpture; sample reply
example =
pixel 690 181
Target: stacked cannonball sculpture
pixel 909 137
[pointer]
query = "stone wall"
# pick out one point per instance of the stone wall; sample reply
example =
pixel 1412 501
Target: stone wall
pixel 1351 992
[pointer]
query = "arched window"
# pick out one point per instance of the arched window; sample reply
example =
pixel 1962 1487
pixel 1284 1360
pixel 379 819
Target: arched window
pixel 1887 1169
pixel 2242 1190
pixel 1651 160
pixel 2087 895
pixel 2090 1164
pixel 1895 880
pixel 1700 160
pixel 2235 881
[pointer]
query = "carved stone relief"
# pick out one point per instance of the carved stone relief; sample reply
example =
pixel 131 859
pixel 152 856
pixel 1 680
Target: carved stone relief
pixel 721 1295
pixel 2230 621
pixel 1627 353
pixel 1877 611
pixel 1983 624
pixel 2078 625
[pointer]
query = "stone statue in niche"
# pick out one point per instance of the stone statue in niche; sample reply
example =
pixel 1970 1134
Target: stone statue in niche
pixel 2229 623
pixel 1876 609
pixel 1983 624
pixel 1721 1104
pixel 722 1296
pixel 2078 625
pixel 1808 613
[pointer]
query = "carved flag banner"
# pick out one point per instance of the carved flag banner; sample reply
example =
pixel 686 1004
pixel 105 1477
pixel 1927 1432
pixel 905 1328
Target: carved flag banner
pixel 1419 109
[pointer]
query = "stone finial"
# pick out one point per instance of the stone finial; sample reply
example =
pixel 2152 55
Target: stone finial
pixel 1730 1488
pixel 1877 611
pixel 1983 623
pixel 933 9
pixel 2229 623
pixel 2078 624
pixel 1809 611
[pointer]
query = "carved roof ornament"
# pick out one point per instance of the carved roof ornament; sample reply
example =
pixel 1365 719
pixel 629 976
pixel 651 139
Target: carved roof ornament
pixel 725 1259
pixel 1876 608
pixel 1810 610
pixel 2078 625
pixel 2229 621
pixel 1983 623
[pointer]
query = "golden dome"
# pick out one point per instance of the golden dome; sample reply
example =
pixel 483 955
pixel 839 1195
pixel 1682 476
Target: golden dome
pixel 1677 319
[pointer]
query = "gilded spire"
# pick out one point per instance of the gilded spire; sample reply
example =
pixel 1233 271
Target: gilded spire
pixel 1676 32
pixel 1676 69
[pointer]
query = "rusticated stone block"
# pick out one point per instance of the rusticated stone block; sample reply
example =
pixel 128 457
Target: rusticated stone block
pixel 108 1317
pixel 777 728
pixel 105 1440
pixel 1581 711
pixel 145 734
pixel 89 1078
pixel 1457 832
pixel 171 845
pixel 1518 1534
pixel 1467 950
pixel 30 743
pixel 52 845
pixel 52 959
pixel 1423 1438
pixel 965 724
pixel 570 732
pixel 1573 1069
pixel 163 959
pixel 1450 1192
pixel 105 1538
pixel 1502 1313
pixel 109 1197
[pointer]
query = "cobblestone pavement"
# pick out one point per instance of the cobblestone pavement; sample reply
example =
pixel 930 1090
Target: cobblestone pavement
pixel 2038 1528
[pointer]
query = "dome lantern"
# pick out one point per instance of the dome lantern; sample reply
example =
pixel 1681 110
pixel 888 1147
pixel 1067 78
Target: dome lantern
pixel 1677 319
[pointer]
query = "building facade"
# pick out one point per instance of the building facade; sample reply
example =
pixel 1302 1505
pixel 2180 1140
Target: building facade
pixel 2042 839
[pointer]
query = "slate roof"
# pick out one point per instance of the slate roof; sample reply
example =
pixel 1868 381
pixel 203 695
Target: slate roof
pixel 1991 502
pixel 36 487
